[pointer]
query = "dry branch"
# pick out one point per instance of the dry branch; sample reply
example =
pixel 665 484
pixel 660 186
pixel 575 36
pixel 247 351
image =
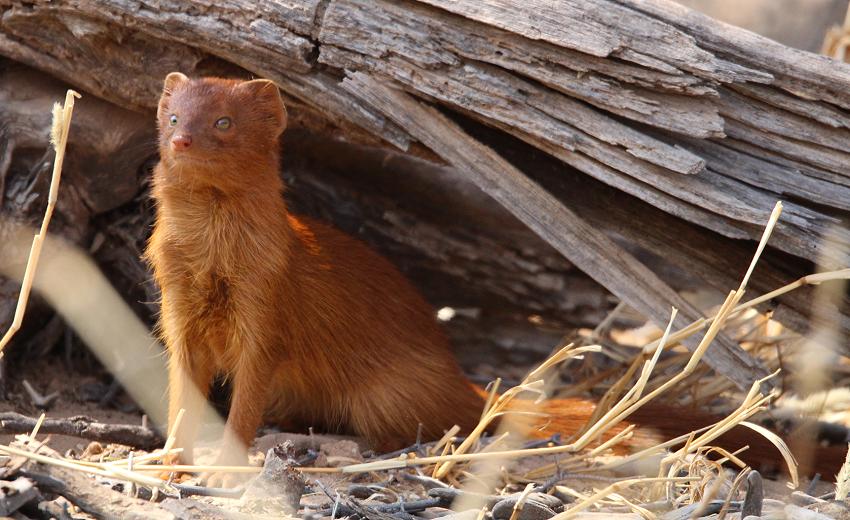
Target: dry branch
pixel 614 268
pixel 86 428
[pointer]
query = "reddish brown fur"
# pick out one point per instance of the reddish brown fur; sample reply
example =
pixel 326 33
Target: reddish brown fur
pixel 310 326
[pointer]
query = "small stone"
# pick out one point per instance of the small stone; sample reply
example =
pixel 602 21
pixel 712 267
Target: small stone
pixel 360 491
pixel 341 453
pixel 537 506
pixel 755 495
pixel 279 482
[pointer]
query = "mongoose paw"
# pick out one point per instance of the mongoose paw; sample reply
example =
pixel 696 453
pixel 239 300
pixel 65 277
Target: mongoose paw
pixel 227 479
pixel 175 477
pixel 221 479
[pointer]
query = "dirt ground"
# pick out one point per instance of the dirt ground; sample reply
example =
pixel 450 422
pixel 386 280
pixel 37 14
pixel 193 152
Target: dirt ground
pixel 78 390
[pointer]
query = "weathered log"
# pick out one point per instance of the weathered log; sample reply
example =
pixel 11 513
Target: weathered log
pixel 105 148
pixel 619 272
pixel 704 257
pixel 449 57
pixel 538 114
pixel 439 50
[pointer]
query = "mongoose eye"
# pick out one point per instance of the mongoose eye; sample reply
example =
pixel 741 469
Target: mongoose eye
pixel 223 123
pixel 173 119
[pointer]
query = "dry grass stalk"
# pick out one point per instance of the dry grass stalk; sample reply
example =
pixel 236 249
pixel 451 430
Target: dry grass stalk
pixel 632 400
pixel 842 480
pixel 200 468
pixel 492 395
pixel 566 490
pixel 812 279
pixel 521 501
pixel 612 394
pixel 736 484
pixel 727 456
pixel 582 387
pixel 172 434
pixel 75 465
pixel 498 407
pixel 650 451
pixel 753 403
pixel 605 324
pixel 59 140
pixel 790 462
pixel 154 455
pixel 496 442
pixel 643 512
pixel 449 446
pixel 446 439
pixel 37 427
pixel 170 440
pixel 613 488
pixel 712 484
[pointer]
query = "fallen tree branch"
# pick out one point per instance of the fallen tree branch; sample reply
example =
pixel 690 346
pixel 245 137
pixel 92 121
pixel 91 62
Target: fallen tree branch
pixel 611 266
pixel 136 436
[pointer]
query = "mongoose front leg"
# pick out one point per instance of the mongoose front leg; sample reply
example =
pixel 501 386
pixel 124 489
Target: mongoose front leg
pixel 249 400
pixel 188 387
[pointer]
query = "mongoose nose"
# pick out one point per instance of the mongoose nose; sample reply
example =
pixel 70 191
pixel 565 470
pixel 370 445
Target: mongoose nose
pixel 181 142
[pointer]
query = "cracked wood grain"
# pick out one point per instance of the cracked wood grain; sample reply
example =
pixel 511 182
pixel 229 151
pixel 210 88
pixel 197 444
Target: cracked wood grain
pixel 611 266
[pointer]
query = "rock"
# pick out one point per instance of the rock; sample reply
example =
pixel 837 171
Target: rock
pixel 341 452
pixel 536 507
pixel 279 486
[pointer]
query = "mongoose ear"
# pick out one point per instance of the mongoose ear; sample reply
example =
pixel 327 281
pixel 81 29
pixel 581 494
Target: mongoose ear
pixel 172 82
pixel 262 89
pixel 266 94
